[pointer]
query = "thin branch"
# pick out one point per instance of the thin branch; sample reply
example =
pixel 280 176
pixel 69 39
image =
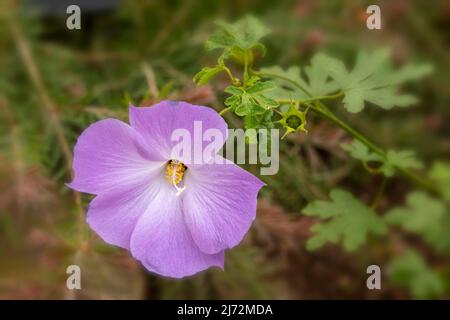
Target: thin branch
pixel 16 146
pixel 321 109
pixel 380 192
pixel 49 108
pixel 151 82
pixel 224 110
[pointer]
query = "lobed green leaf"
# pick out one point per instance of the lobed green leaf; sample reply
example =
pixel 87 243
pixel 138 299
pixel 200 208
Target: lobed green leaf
pixel 412 272
pixel 346 219
pixel 425 216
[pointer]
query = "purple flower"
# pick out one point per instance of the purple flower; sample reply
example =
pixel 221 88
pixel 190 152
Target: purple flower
pixel 175 216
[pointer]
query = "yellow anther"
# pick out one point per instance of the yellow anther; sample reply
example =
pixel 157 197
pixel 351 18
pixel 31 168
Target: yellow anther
pixel 175 173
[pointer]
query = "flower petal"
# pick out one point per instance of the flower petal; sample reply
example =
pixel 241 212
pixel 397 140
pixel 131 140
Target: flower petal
pixel 114 216
pixel 158 123
pixel 162 242
pixel 108 156
pixel 219 204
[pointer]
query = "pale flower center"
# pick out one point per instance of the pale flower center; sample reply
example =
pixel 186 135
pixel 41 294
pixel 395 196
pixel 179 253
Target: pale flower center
pixel 175 171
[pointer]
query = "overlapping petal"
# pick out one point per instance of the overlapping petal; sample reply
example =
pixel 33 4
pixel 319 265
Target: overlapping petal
pixel 163 243
pixel 160 123
pixel 108 156
pixel 220 204
pixel 113 216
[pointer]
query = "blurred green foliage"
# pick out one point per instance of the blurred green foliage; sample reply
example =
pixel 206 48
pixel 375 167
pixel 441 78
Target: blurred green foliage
pixel 350 220
pixel 149 50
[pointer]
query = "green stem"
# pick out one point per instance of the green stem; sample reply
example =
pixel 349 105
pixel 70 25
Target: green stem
pixel 312 99
pixel 380 192
pixel 371 169
pixel 321 109
pixel 233 80
pixel 245 69
pixel 224 110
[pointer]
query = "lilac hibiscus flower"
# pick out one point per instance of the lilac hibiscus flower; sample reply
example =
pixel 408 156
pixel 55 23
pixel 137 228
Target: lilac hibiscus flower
pixel 175 217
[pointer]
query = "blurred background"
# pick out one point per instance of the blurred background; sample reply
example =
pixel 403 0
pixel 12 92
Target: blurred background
pixel 54 82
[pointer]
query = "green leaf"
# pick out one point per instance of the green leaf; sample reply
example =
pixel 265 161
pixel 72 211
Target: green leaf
pixel 257 121
pixel 347 219
pixel 409 72
pixel 440 172
pixel 412 272
pixel 286 81
pixel 425 216
pixel 404 159
pixel 261 87
pixel 421 213
pixel 319 83
pixel 373 79
pixel 252 104
pixel 360 151
pixel 206 74
pixel 250 100
pixel 238 39
pixel 292 85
